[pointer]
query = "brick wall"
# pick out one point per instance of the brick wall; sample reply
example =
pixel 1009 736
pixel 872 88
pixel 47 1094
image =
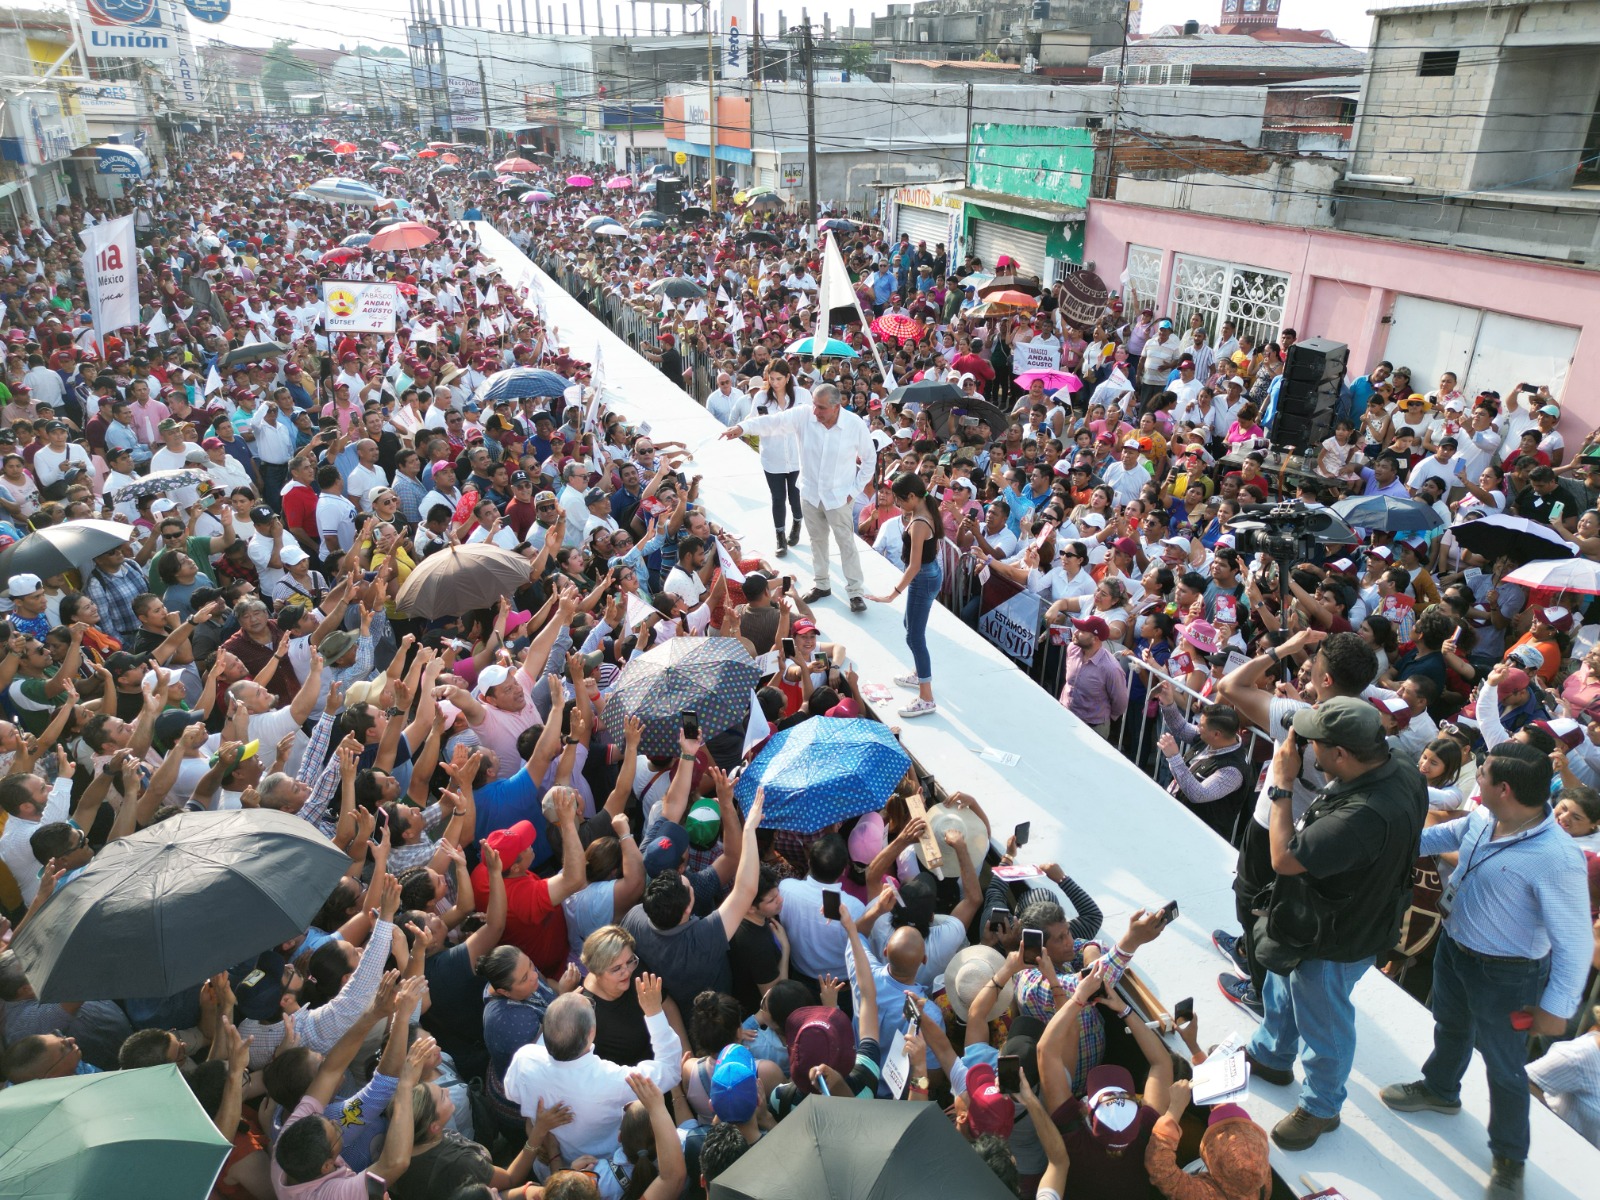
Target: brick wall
pixel 1142 155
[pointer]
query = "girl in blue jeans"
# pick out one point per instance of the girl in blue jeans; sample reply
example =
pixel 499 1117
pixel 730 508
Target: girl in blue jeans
pixel 919 548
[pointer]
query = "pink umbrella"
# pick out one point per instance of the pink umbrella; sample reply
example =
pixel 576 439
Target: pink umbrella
pixel 579 181
pixel 404 235
pixel 390 171
pixel 1053 381
pixel 392 147
pixel 618 183
pixel 340 254
pixel 515 166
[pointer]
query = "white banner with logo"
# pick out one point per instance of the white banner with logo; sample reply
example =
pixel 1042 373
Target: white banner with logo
pixel 354 307
pixel 1031 356
pixel 127 29
pixel 111 269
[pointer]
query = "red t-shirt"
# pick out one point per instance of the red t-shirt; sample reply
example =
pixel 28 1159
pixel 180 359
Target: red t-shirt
pixel 533 924
pixel 300 510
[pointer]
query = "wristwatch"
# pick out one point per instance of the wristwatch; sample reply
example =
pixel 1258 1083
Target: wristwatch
pixel 1277 793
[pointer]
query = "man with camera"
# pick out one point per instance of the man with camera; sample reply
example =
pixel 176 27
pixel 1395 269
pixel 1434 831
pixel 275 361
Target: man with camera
pixel 1343 875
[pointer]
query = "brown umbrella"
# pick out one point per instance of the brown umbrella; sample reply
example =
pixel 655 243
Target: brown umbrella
pixel 1011 283
pixel 458 579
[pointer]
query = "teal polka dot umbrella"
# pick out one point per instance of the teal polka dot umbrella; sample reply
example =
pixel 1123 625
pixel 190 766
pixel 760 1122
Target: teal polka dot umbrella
pixel 711 676
pixel 823 770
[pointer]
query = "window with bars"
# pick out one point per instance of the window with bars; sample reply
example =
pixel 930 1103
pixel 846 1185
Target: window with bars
pixel 1251 297
pixel 1144 277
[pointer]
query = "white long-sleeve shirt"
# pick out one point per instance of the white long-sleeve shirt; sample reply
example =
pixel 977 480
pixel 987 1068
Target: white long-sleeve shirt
pixel 780 444
pixel 594 1089
pixel 835 464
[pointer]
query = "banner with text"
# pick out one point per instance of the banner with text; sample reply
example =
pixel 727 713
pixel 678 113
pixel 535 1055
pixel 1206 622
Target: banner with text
pixel 1031 356
pixel 111 268
pixel 355 307
pixel 1008 616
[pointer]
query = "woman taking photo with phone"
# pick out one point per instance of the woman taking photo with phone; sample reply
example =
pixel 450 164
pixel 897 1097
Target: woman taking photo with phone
pixel 919 548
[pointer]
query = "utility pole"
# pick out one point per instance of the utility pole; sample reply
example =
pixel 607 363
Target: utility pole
pixel 1116 112
pixel 966 161
pixel 811 120
pixel 488 129
pixel 711 102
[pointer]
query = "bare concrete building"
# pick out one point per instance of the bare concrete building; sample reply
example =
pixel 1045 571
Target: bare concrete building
pixel 1479 127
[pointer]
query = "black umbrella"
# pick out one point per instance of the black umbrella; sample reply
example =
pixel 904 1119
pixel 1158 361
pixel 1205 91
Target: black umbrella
pixel 924 392
pixel 694 213
pixel 1518 537
pixel 710 676
pixel 1392 514
pixel 762 236
pixel 166 908
pixel 841 1148
pixel 254 351
pixel 940 413
pixel 482 176
pixel 647 222
pixel 678 287
pixel 61 548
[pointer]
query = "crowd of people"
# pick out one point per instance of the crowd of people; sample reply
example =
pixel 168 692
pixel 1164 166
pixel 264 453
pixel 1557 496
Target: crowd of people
pixel 560 966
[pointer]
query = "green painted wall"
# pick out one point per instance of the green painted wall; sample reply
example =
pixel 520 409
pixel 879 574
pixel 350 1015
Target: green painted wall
pixel 1037 162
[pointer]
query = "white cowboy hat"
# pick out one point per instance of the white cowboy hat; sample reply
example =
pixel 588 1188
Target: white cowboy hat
pixel 942 817
pixel 964 976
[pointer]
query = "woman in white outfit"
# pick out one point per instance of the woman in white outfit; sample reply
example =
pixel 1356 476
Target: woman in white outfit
pixel 780 450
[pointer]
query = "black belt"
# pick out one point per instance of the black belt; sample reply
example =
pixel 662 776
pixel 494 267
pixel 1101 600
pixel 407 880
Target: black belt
pixel 1496 958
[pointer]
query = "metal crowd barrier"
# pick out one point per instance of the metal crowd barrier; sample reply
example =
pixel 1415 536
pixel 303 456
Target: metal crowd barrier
pixel 1136 734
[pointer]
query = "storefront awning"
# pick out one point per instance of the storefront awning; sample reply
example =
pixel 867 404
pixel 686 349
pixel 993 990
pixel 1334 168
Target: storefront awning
pixel 1019 204
pixel 121 160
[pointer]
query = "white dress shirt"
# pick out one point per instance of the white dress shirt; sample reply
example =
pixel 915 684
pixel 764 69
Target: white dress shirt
pixel 835 464
pixel 594 1089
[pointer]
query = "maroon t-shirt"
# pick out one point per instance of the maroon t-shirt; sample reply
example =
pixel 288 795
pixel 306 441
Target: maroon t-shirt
pixel 1102 1174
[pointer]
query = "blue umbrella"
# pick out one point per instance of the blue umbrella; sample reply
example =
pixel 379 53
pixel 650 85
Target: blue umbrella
pixel 356 239
pixel 1393 514
pixel 514 383
pixel 832 348
pixel 594 222
pixel 823 770
pixel 338 189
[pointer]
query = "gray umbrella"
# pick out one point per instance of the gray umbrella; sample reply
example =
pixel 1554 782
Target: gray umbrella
pixel 166 908
pixel 252 352
pixel 60 548
pixel 710 676
pixel 841 1148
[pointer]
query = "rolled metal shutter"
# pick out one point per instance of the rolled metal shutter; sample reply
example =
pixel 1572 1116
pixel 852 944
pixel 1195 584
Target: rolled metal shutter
pixel 990 240
pixel 923 224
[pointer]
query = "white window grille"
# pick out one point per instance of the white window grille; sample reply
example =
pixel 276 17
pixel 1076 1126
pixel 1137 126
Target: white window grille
pixel 1251 297
pixel 1144 276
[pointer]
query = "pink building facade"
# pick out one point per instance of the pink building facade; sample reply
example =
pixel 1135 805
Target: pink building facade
pixel 1494 321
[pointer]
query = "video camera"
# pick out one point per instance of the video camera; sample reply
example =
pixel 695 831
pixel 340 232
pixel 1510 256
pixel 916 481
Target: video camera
pixel 1289 532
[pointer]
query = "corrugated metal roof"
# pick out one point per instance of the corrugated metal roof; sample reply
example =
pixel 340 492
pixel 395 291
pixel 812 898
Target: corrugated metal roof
pixel 1236 50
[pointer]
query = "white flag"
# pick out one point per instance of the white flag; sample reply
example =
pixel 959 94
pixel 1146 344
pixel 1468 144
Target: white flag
pixel 213 380
pixel 756 730
pixel 110 265
pixel 835 289
pixel 730 569
pixel 722 295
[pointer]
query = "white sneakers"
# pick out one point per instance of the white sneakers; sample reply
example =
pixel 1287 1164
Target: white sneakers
pixel 919 708
pixel 908 681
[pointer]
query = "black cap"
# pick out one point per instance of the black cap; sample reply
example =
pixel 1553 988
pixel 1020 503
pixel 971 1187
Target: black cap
pixel 520 477
pixel 261 514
